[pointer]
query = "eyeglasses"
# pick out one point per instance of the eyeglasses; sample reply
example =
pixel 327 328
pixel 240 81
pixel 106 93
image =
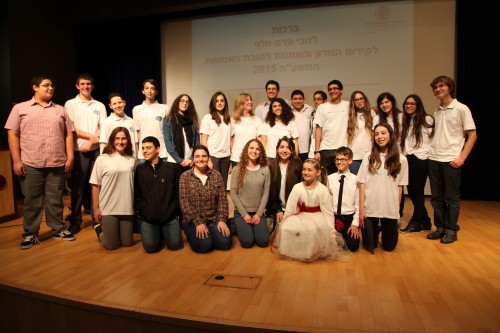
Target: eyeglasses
pixel 341 160
pixel 184 101
pixel 410 104
pixel 46 85
pixel 359 99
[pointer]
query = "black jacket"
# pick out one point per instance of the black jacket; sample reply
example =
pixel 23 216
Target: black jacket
pixel 156 192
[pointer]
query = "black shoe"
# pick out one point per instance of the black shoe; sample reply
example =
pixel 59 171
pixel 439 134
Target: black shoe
pixel 29 241
pixel 448 239
pixel 412 227
pixel 74 228
pixel 426 226
pixel 435 235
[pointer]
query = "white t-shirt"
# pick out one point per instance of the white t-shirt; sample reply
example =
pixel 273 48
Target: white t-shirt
pixel 115 174
pixel 149 120
pixel 449 134
pixel 219 136
pixel 381 190
pixel 86 116
pixel 303 122
pixel 242 132
pixel 421 152
pixel 275 133
pixel 332 118
pixel 112 122
pixel 362 141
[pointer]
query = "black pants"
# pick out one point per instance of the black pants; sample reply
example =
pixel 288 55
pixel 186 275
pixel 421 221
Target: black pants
pixel 328 160
pixel 351 242
pixel 445 199
pixel 417 176
pixel 389 230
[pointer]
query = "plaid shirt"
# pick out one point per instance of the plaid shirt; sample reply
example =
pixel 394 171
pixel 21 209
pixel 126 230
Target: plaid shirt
pixel 42 133
pixel 203 203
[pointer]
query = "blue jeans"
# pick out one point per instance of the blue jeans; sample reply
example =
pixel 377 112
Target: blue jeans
pixel 152 235
pixel 251 233
pixel 354 167
pixel 215 239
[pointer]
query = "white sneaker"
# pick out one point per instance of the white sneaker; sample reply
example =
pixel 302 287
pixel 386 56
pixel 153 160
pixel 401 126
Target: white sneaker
pixel 65 235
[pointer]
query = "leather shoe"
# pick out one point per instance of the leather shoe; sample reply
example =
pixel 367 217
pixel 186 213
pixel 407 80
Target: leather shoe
pixel 448 239
pixel 435 235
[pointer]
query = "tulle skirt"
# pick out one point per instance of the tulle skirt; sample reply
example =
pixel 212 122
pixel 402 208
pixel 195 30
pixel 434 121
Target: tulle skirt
pixel 309 236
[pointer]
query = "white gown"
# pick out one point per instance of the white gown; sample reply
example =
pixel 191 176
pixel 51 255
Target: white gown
pixel 307 231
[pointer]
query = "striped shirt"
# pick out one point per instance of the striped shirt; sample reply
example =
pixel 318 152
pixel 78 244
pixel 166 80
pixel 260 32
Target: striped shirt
pixel 42 132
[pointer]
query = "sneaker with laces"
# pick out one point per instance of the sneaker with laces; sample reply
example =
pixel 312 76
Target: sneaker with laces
pixel 98 231
pixel 65 235
pixel 412 227
pixel 29 241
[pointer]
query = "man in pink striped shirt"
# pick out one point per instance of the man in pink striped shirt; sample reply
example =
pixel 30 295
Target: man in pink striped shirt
pixel 40 136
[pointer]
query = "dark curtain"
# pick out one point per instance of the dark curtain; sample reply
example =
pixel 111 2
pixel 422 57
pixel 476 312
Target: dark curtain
pixel 477 81
pixel 120 55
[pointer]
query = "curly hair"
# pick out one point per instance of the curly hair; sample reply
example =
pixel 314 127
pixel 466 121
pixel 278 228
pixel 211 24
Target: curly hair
pixel 191 111
pixel 244 159
pixel 392 163
pixel 419 121
pixel 286 112
pixel 352 125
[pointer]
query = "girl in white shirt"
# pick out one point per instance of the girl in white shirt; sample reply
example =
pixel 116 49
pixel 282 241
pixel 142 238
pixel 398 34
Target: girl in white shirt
pixel 416 136
pixel 279 123
pixel 381 177
pixel 215 134
pixel 359 128
pixel 244 125
pixel 112 182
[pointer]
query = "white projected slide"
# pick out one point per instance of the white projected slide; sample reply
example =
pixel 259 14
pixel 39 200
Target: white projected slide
pixel 366 46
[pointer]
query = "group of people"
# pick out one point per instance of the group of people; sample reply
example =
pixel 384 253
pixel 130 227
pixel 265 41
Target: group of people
pixel 316 173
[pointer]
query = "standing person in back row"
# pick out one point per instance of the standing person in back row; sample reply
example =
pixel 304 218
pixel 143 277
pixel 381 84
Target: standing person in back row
pixel 149 117
pixel 331 126
pixel 87 115
pixel 272 91
pixel 40 136
pixel 449 150
pixel 303 118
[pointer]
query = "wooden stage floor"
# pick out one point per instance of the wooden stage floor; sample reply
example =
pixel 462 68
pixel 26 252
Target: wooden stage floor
pixel 423 286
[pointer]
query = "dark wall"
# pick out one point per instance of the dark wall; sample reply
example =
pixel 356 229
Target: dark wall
pixel 477 80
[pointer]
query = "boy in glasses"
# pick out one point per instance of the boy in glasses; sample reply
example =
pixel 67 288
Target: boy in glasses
pixel 344 190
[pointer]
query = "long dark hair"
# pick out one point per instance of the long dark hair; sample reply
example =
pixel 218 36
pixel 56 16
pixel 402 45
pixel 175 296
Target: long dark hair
pixel 286 112
pixel 352 124
pixel 213 110
pixel 293 171
pixel 392 163
pixel 110 148
pixel 190 112
pixel 394 112
pixel 419 122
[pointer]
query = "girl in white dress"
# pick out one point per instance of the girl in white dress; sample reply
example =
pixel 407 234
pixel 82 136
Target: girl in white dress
pixel 307 231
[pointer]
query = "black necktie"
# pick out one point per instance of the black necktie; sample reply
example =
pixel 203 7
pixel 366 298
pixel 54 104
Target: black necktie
pixel 339 203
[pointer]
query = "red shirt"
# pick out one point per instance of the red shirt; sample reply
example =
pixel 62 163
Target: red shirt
pixel 42 133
